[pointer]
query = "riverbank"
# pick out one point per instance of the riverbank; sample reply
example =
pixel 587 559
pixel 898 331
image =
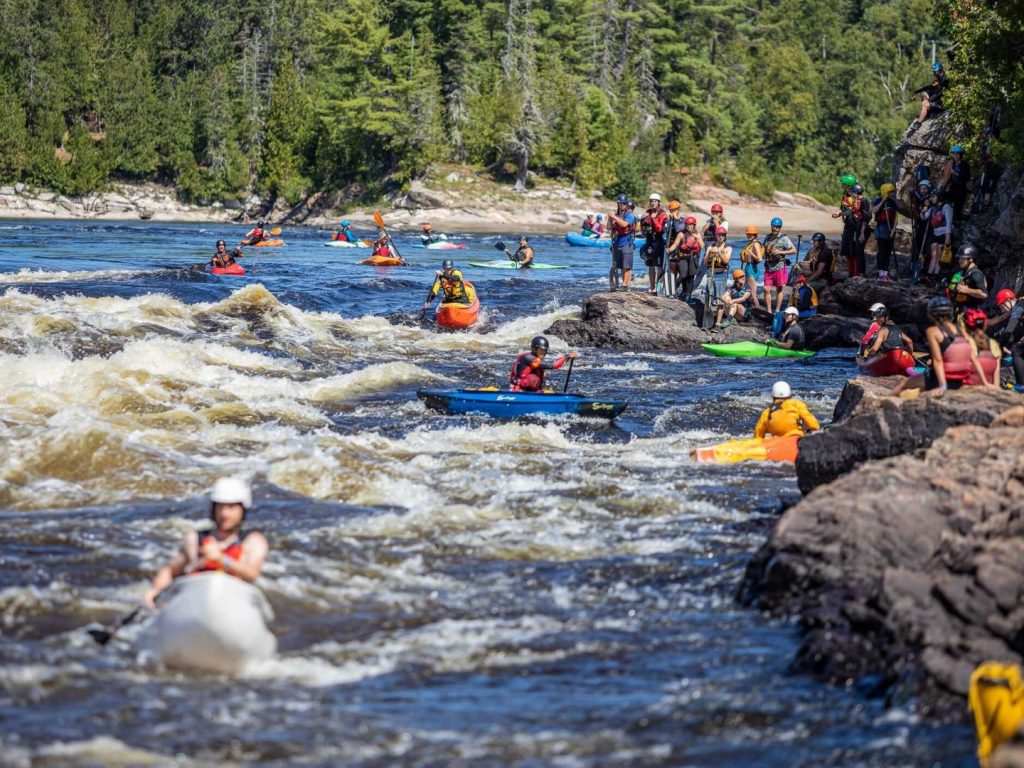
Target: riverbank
pixel 465 202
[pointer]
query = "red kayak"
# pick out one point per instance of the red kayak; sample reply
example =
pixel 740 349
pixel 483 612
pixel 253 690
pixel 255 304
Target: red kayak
pixel 895 362
pixel 231 269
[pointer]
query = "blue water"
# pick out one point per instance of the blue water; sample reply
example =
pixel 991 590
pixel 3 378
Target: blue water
pixel 448 590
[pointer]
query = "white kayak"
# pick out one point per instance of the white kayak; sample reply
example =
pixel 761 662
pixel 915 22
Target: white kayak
pixel 211 622
pixel 347 244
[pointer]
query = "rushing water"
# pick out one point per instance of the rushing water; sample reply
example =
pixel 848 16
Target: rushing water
pixel 449 590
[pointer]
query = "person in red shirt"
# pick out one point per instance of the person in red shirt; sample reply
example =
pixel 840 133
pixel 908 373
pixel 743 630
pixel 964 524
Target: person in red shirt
pixel 652 225
pixel 529 368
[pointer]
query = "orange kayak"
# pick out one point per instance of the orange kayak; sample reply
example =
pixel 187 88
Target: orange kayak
pixel 268 243
pixel 454 315
pixel 752 449
pixel 231 269
pixel 382 261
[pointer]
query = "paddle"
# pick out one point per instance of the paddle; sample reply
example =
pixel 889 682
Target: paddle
pixel 500 246
pixel 430 295
pixel 568 374
pixel 391 242
pixel 103 636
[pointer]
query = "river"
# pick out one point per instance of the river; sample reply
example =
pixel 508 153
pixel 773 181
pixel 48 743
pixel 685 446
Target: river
pixel 448 590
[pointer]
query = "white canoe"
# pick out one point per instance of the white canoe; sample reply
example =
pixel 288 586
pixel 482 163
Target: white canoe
pixel 211 622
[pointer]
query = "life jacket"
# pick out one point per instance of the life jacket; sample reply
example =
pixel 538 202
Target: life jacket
pixel 382 249
pixel 989 363
pixel 257 235
pixel 938 218
pixel 233 551
pixel 958 277
pixel 956 356
pixel 805 299
pixel 690 245
pixel 893 340
pixel 750 254
pixel 829 257
pixel 886 214
pixel 785 418
pixel 768 243
pixel 655 222
pixel 717 259
pixel 623 230
pixel 960 174
pixel 454 289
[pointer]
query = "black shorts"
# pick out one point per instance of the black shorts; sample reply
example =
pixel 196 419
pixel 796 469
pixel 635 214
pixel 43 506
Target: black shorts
pixel 622 256
pixel 653 255
pixel 931 381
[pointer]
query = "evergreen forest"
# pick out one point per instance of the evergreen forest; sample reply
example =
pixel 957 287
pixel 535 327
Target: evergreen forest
pixel 284 97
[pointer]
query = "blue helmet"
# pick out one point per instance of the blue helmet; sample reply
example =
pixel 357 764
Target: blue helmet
pixel 345 223
pixel 622 200
pixel 776 222
pixel 937 66
pixel 956 150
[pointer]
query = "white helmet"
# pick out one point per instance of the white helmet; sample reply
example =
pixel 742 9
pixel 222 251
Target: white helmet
pixel 232 490
pixel 654 196
pixel 781 390
pixel 876 306
pixel 791 311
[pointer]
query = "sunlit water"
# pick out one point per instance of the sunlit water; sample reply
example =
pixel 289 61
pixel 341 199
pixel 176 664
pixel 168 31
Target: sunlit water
pixel 449 590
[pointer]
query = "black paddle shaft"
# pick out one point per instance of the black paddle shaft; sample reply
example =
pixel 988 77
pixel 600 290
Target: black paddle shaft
pixel 568 374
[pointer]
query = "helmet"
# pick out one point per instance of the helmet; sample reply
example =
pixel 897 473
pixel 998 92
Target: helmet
pixel 447 264
pixel 1005 295
pixel 801 278
pixel 600 216
pixel 776 222
pixel 975 318
pixel 792 311
pixel 781 390
pixel 654 196
pixel 736 273
pixel 751 230
pixel 887 188
pixel 622 200
pixel 817 237
pixel 539 342
pixel 924 183
pixel 346 223
pixel 956 150
pixel 690 220
pixel 261 223
pixel 847 179
pixel 716 208
pixel 877 307
pixel 940 306
pixel 232 490
pixel 524 239
pixel 857 189
pixel 721 231
pixel 937 66
pixel 426 227
pixel 967 251
pixel 674 205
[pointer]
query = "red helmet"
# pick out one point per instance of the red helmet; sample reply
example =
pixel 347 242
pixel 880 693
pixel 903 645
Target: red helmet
pixel 716 208
pixel 801 278
pixel 721 231
pixel 975 318
pixel 690 220
pixel 1005 295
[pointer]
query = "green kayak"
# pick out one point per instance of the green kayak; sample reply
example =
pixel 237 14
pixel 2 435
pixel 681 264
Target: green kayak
pixel 507 264
pixel 753 349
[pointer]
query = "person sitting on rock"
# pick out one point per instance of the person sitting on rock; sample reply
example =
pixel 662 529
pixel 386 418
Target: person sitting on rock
pixel 931 97
pixel 804 298
pixel 820 265
pixel 1008 329
pixel 734 301
pixel 529 368
pixel 223 258
pixel 786 416
pixel 953 356
pixel 986 349
pixel 884 336
pixel 255 235
pixel 792 335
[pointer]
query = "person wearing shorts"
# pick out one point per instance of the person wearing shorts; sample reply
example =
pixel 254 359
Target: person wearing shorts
pixel 623 224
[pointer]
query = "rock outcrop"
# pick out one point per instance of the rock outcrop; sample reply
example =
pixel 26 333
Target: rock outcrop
pixel 907 572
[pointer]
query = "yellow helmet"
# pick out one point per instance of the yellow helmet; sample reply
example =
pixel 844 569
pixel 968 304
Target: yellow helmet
pixel 888 189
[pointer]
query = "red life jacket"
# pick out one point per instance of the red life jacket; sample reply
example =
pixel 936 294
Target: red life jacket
pixel 657 221
pixel 938 219
pixel 619 230
pixel 690 244
pixel 523 370
pixel 234 552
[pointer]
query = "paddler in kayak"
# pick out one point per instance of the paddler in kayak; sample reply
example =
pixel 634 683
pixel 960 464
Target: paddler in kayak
pixel 255 235
pixel 786 416
pixel 223 547
pixel 429 236
pixel 886 337
pixel 382 247
pixel 792 336
pixel 529 368
pixel 524 253
pixel 345 233
pixel 449 280
pixel 224 258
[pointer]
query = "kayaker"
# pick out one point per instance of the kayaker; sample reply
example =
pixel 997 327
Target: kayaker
pixel 968 289
pixel 953 356
pixel 529 368
pixel 623 224
pixel 804 298
pixel 751 257
pixel 734 301
pixel 449 280
pixel 786 416
pixel 524 253
pixel 683 254
pixel 777 250
pixel 429 236
pixel 652 225
pixel 224 258
pixel 345 234
pixel 587 227
pixel 598 228
pixel 223 547
pixel 792 335
pixel 886 336
pixel 986 349
pixel 255 235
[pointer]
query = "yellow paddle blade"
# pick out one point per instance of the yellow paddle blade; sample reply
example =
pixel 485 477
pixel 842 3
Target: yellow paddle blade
pixel 379 219
pixel 275 231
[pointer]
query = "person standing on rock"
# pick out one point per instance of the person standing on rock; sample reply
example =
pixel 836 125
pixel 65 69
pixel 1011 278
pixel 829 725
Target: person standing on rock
pixel 884 210
pixel 716 220
pixel 953 356
pixel 939 216
pixel 623 228
pixel 918 205
pixel 777 248
pixel 956 177
pixel 716 264
pixel 854 212
pixel 684 253
pixel 786 416
pixel 1008 329
pixel 751 257
pixel 652 225
pixel 820 264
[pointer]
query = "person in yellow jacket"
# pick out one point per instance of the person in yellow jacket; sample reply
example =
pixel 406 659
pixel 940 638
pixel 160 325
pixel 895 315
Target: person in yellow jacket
pixel 449 280
pixel 786 415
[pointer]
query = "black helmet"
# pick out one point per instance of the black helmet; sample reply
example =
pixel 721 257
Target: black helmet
pixel 817 237
pixel 261 223
pixel 220 243
pixel 539 342
pixel 967 251
pixel 940 306
pixel 622 200
pixel 857 189
pixel 447 264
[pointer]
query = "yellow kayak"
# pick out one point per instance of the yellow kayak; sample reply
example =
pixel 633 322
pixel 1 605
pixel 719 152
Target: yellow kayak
pixel 751 449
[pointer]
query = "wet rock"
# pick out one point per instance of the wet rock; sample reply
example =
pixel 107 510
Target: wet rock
pixel 640 321
pixel 906 304
pixel 911 568
pixel 869 424
pixel 824 331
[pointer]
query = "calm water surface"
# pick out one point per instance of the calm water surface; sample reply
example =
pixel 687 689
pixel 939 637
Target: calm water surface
pixel 449 590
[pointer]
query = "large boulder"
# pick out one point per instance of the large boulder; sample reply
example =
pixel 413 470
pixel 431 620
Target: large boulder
pixel 906 304
pixel 910 571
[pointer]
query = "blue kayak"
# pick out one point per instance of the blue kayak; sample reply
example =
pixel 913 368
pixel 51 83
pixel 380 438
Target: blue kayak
pixel 575 238
pixel 506 404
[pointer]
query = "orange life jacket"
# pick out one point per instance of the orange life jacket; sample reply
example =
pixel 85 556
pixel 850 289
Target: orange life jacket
pixel 234 552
